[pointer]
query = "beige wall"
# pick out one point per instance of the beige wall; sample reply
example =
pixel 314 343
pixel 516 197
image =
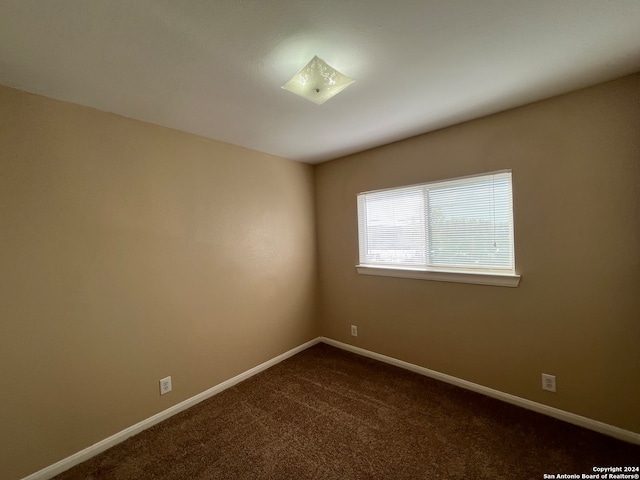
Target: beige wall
pixel 129 252
pixel 576 313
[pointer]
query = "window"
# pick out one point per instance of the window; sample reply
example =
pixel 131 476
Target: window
pixel 458 230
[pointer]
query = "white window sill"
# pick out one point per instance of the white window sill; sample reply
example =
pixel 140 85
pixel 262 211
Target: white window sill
pixel 478 278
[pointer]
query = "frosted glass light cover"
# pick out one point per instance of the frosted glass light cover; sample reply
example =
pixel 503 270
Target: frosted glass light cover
pixel 317 81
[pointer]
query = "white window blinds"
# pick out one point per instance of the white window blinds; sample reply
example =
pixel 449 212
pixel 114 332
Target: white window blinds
pixel 459 224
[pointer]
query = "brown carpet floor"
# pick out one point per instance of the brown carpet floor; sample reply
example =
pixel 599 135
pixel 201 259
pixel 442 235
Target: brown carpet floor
pixel 329 414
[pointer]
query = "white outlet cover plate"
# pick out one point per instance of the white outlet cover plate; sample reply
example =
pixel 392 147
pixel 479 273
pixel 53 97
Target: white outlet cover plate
pixel 548 382
pixel 165 385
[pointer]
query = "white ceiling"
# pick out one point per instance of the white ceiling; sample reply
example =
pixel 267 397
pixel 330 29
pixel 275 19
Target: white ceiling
pixel 215 67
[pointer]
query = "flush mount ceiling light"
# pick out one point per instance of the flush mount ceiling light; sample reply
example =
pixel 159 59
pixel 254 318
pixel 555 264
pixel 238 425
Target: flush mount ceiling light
pixel 317 81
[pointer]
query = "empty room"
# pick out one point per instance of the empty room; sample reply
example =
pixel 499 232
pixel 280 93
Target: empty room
pixel 336 240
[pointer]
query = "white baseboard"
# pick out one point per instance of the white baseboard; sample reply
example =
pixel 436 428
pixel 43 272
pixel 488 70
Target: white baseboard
pixel 606 429
pixel 83 455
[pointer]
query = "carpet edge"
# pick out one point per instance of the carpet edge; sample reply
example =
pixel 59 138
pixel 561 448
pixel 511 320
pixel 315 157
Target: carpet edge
pixel 83 455
pixel 575 419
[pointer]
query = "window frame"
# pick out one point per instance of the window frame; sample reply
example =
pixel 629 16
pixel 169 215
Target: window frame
pixel 481 276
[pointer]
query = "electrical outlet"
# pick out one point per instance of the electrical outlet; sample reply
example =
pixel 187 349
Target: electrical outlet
pixel 165 385
pixel 549 382
pixel 354 331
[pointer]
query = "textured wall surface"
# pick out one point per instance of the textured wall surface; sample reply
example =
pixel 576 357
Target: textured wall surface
pixel 576 171
pixel 130 252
